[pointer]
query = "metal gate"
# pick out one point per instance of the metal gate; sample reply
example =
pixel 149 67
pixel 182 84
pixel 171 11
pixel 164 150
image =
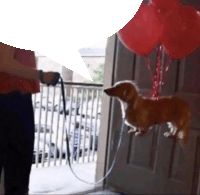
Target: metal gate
pixel 82 122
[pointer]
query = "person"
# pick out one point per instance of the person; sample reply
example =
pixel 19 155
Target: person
pixel 19 79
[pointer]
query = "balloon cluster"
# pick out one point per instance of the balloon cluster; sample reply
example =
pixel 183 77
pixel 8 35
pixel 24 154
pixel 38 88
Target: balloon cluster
pixel 165 22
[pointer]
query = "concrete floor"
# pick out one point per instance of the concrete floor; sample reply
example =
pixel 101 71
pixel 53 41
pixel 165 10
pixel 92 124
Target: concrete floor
pixel 60 179
pixel 105 192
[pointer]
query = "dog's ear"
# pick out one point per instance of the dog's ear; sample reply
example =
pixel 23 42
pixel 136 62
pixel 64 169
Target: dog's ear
pixel 129 93
pixel 125 93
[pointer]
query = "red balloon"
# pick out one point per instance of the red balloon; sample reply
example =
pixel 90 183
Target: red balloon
pixel 167 22
pixel 181 32
pixel 142 33
pixel 164 7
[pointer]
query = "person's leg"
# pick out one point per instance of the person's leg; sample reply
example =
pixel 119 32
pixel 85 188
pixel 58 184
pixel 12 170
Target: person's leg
pixel 20 125
pixel 3 137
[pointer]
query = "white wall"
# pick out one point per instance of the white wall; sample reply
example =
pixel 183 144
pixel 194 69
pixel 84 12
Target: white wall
pixel 92 63
pixel 46 64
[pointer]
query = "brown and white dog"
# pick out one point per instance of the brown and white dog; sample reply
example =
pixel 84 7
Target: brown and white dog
pixel 141 113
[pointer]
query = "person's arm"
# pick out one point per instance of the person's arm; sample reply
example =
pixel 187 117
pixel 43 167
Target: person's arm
pixel 11 66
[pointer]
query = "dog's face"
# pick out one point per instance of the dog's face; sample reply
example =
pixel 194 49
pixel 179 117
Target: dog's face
pixel 125 91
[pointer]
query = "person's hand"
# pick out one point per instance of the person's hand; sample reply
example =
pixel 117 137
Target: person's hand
pixel 48 77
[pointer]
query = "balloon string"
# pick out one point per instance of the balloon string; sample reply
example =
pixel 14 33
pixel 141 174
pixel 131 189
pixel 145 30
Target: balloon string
pixel 166 68
pixel 158 78
pixel 148 64
pixel 158 75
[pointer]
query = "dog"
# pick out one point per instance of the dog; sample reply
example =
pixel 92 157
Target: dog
pixel 141 113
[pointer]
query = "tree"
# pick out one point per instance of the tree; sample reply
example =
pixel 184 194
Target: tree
pixel 98 78
pixel 99 74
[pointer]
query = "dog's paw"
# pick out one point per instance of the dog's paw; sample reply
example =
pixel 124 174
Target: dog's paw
pixel 170 125
pixel 132 131
pixel 168 134
pixel 181 135
pixel 140 133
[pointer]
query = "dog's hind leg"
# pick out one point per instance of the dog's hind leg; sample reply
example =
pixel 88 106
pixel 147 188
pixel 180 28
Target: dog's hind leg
pixel 183 134
pixel 173 130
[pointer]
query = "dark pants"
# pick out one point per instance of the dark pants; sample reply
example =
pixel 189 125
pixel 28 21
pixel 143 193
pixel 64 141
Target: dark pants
pixel 16 141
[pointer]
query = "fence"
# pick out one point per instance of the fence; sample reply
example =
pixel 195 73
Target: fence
pixel 82 122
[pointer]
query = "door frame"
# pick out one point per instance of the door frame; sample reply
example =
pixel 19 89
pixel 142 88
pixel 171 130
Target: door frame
pixel 116 55
pixel 104 141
